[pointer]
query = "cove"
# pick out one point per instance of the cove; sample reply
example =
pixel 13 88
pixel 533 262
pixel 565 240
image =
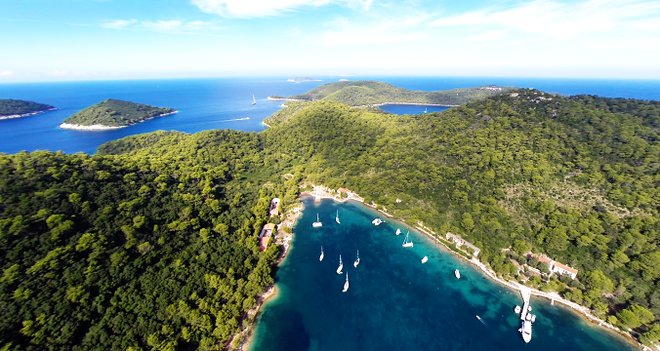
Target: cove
pixel 394 301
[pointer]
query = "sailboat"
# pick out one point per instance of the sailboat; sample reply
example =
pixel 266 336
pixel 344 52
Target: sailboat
pixel 337 218
pixel 341 265
pixel 398 231
pixel 357 260
pixel 407 243
pixel 426 110
pixel 322 254
pixel 254 101
pixel 318 223
pixel 425 259
pixel 346 284
pixel 457 274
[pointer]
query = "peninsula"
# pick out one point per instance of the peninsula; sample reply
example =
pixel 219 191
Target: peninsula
pixel 373 93
pixel 113 114
pixel 12 108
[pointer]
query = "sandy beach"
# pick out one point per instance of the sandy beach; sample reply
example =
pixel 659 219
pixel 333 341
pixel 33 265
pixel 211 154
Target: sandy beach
pixel 101 127
pixel 26 114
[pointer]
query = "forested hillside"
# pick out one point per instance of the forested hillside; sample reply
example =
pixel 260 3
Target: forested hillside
pixel 152 250
pixel 152 243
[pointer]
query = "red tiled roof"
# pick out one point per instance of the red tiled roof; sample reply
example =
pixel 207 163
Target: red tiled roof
pixel 566 268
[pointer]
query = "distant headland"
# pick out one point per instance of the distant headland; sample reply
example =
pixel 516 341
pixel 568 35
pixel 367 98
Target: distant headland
pixel 114 114
pixel 11 108
pixel 372 93
pixel 302 80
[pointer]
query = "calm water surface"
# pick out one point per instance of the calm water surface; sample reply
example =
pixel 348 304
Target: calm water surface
pixel 396 303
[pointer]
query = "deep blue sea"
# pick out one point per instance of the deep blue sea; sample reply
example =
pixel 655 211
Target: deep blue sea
pixel 226 103
pixel 397 303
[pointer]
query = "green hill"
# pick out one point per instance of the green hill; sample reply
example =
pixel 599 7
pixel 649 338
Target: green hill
pixel 116 113
pixel 15 108
pixel 359 93
pixel 152 243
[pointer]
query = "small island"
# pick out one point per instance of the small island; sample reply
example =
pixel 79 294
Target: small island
pixel 302 80
pixel 114 114
pixel 12 108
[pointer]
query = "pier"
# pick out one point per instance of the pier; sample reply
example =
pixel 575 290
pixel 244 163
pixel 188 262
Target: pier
pixel 525 316
pixel 525 293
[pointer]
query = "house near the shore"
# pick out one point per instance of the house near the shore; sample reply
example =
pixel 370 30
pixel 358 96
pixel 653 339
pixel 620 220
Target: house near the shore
pixel 264 236
pixel 557 267
pixel 460 242
pixel 274 209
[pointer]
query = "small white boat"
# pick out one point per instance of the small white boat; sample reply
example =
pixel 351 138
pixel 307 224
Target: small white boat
pixel 533 318
pixel 337 218
pixel 346 284
pixel 457 274
pixel 318 223
pixel 407 243
pixel 517 309
pixel 377 221
pixel 254 101
pixel 425 259
pixel 526 331
pixel 426 110
pixel 357 260
pixel 398 231
pixel 322 255
pixel 341 265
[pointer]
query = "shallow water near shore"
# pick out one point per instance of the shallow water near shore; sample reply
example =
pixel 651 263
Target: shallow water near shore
pixel 394 301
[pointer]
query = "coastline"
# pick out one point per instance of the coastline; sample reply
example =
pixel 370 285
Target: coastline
pixel 322 192
pixel 3 117
pixel 242 340
pixel 282 98
pixel 102 127
pixel 406 103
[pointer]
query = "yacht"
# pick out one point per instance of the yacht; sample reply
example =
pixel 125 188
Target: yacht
pixel 322 255
pixel 337 218
pixel 357 260
pixel 318 223
pixel 425 259
pixel 346 284
pixel 254 101
pixel 406 242
pixel 377 221
pixel 341 265
pixel 398 231
pixel 457 274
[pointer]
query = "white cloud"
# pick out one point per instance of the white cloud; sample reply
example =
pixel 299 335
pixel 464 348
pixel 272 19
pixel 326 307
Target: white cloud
pixel 6 73
pixel 560 20
pixel 264 8
pixel 118 24
pixel 401 30
pixel 172 25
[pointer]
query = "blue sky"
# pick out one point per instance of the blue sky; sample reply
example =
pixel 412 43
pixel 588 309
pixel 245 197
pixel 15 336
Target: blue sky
pixel 45 40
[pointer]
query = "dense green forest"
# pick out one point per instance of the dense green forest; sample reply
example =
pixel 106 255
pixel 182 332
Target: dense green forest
pixel 12 107
pixel 358 93
pixel 152 242
pixel 116 113
pixel 151 250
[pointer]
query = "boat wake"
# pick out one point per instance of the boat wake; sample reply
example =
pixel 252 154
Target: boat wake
pixel 481 320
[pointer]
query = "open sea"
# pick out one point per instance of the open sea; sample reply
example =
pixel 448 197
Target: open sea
pixel 395 302
pixel 219 103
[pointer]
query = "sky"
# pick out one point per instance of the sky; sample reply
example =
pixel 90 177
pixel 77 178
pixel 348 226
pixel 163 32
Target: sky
pixel 50 40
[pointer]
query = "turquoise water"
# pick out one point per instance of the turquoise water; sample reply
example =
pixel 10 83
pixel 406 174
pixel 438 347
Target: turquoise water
pixel 411 109
pixel 395 302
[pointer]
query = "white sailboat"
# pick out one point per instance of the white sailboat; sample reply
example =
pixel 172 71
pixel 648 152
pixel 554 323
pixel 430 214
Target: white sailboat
pixel 337 218
pixel 346 284
pixel 254 101
pixel 457 273
pixel 322 254
pixel 425 259
pixel 318 223
pixel 398 231
pixel 377 221
pixel 426 110
pixel 357 260
pixel 341 265
pixel 407 243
